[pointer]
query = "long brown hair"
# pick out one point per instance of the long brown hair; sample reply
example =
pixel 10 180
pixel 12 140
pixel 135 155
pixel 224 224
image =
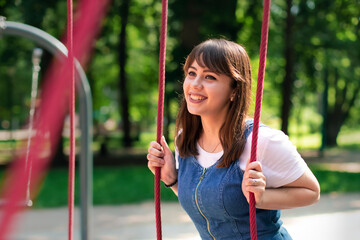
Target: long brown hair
pixel 231 59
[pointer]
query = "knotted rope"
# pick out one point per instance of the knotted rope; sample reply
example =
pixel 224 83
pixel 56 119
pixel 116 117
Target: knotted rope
pixel 259 93
pixel 164 13
pixel 72 121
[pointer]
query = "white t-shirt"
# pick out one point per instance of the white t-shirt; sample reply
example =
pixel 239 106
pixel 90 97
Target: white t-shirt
pixel 281 162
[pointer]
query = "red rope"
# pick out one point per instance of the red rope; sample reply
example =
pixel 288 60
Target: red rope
pixel 160 111
pixel 72 114
pixel 259 92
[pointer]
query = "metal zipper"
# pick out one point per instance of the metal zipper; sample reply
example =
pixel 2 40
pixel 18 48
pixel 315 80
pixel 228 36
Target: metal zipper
pixel 197 204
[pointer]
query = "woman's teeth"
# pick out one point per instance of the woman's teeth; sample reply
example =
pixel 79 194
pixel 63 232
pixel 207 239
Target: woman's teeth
pixel 197 97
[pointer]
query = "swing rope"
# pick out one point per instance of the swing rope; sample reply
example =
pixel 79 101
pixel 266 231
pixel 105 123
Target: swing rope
pixel 160 110
pixel 257 113
pixel 72 115
pixel 36 59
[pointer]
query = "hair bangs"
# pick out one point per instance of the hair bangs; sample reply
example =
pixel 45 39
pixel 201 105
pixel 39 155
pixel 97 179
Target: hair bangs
pixel 210 55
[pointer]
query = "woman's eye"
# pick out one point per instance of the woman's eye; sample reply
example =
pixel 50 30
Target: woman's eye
pixel 210 77
pixel 192 74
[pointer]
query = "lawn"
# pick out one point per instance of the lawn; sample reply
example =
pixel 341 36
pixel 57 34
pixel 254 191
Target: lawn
pixel 119 185
pixel 111 185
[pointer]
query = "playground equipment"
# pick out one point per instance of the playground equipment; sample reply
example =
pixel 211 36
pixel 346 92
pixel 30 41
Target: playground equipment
pixel 54 46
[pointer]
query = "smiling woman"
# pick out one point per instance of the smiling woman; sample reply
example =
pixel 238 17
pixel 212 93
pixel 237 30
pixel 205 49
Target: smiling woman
pixel 211 172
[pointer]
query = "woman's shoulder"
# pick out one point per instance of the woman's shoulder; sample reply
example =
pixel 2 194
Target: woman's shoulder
pixel 272 140
pixel 263 128
pixel 272 134
pixel 266 133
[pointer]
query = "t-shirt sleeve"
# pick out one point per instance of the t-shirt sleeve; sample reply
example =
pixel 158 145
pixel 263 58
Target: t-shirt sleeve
pixel 281 162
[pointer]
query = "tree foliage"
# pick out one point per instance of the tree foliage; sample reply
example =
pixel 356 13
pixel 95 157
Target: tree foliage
pixel 324 45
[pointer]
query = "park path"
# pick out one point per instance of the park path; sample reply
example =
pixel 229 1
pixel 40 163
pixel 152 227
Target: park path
pixel 333 217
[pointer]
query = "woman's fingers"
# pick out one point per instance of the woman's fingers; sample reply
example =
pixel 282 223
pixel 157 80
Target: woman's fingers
pixel 255 182
pixel 165 146
pixel 153 164
pixel 156 153
pixel 255 190
pixel 156 146
pixel 254 174
pixel 254 166
pixel 155 159
pixel 251 174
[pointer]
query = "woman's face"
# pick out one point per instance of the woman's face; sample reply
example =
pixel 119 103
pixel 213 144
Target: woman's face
pixel 207 93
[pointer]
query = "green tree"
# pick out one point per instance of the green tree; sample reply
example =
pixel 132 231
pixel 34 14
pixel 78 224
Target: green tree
pixel 331 50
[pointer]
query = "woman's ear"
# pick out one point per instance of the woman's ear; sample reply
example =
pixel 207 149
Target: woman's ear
pixel 232 96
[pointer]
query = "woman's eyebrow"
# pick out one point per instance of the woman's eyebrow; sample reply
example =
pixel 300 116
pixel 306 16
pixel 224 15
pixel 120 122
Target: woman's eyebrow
pixel 193 67
pixel 210 71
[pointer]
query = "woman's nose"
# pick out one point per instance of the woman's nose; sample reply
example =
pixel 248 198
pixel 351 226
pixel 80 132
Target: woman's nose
pixel 196 83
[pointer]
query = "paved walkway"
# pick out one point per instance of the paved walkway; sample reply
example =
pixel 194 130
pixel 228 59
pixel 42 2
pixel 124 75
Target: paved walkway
pixel 334 217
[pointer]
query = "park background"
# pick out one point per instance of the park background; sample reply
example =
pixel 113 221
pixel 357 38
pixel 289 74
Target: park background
pixel 311 87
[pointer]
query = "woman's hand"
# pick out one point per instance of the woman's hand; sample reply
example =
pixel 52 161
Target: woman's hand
pixel 161 156
pixel 254 181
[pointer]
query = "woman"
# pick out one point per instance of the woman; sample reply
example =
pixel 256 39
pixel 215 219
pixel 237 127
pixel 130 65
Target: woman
pixel 211 172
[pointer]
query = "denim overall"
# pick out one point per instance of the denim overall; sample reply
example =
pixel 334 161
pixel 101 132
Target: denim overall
pixel 213 199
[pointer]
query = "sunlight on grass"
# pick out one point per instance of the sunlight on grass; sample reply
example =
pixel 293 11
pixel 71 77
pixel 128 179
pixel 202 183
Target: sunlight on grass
pixel 336 181
pixel 111 186
pixel 349 139
pixel 310 141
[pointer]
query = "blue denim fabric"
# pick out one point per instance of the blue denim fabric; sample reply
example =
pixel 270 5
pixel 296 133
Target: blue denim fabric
pixel 213 199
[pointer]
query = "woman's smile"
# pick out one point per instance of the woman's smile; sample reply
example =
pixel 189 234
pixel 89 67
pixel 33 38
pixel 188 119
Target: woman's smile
pixel 196 98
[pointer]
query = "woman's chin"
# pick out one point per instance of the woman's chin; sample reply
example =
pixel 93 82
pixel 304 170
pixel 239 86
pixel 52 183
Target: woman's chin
pixel 194 111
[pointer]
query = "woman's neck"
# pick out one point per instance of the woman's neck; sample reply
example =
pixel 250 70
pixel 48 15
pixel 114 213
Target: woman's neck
pixel 210 130
pixel 210 139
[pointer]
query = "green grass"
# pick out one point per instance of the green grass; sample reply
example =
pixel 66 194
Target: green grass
pixel 112 185
pixel 120 185
pixel 347 139
pixel 336 181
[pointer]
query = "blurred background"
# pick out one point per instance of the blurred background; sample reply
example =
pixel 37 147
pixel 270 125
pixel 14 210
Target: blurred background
pixel 311 87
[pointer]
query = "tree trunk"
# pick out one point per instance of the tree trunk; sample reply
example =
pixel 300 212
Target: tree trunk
pixel 190 36
pixel 289 70
pixel 123 91
pixel 325 106
pixel 336 118
pixel 333 126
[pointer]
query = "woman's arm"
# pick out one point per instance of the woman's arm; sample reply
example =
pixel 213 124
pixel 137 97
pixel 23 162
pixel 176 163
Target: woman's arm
pixel 301 192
